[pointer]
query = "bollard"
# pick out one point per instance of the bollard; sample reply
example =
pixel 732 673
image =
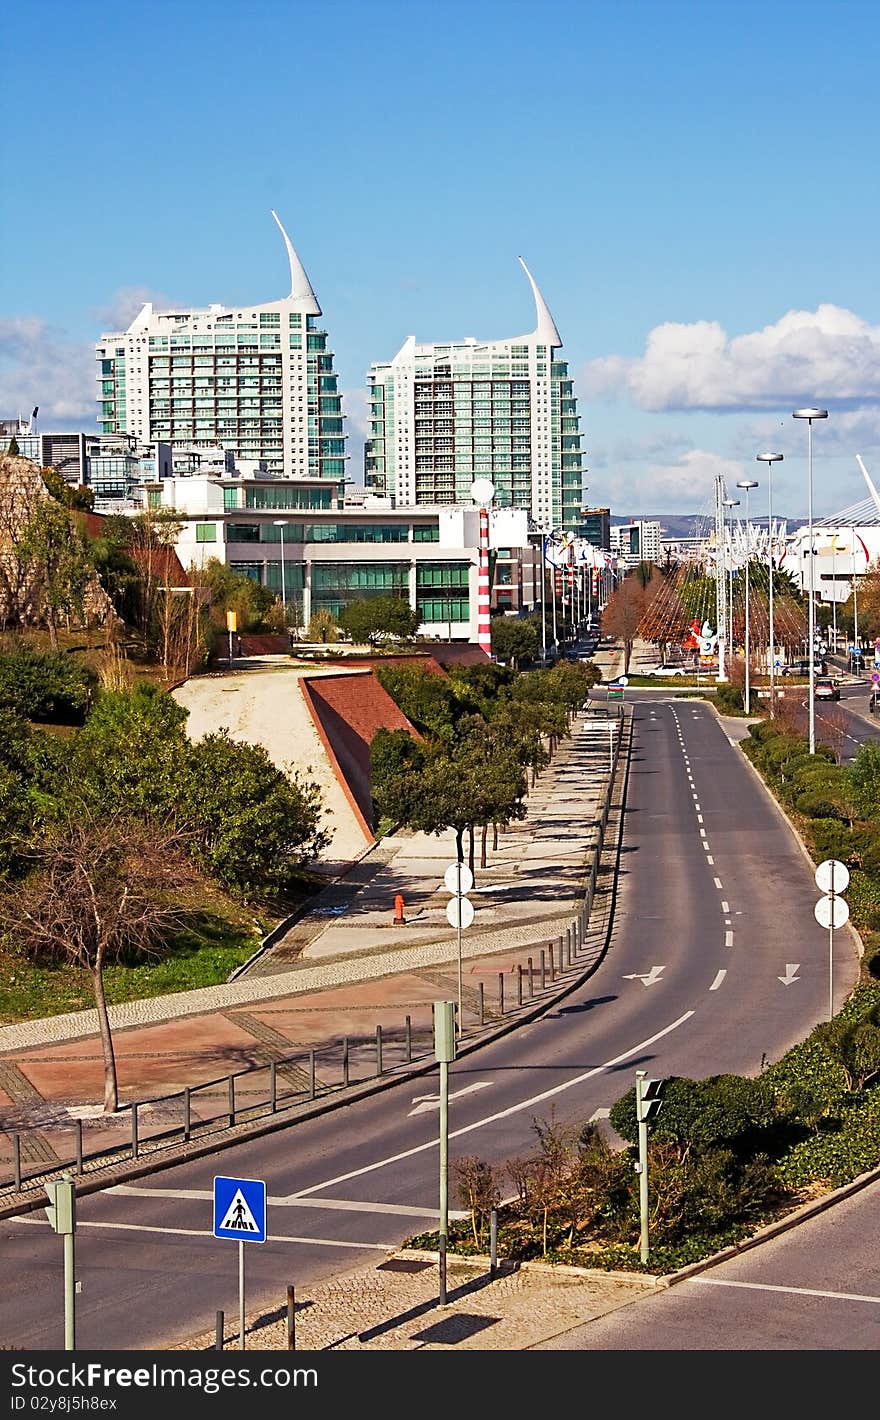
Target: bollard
pixel 273 1087
pixel 519 988
pixel 568 937
pixel 559 954
pixel 230 1090
pixel 531 978
pixel 218 1332
pixel 345 1061
pixel 378 1050
pixel 482 1003
pixel 291 1319
pixel 543 970
pixel 79 1146
pixel 399 919
pixel 134 1130
pixel 501 993
pixel 409 1040
pixel 493 1242
pixel 187 1117
pixel 311 1074
pixel 16 1159
pixel 552 967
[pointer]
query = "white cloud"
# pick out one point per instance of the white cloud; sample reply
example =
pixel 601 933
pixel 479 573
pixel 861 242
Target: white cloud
pixel 125 304
pixel 39 366
pixel 684 485
pixel 828 356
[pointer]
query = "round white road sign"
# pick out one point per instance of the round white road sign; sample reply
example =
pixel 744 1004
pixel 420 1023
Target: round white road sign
pixel 451 878
pixel 829 911
pixel 463 908
pixel 832 876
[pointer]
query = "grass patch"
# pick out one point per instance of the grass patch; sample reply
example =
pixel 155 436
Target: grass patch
pixel 220 934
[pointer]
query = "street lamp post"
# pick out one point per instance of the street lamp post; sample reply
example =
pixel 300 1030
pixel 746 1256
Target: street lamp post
pixel 810 415
pixel 748 484
pixel 279 523
pixel 730 503
pixel 770 460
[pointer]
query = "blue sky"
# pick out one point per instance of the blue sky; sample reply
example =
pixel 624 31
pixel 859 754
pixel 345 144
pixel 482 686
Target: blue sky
pixel 693 186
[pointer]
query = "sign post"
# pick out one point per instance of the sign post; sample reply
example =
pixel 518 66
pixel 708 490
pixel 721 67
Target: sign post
pixel 240 1214
pixel 231 626
pixel 459 913
pixel 831 911
pixel 61 1212
pixel 444 1052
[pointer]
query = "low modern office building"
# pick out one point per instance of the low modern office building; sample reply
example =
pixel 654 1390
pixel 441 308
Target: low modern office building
pixel 297 537
pixel 443 415
pixel 637 541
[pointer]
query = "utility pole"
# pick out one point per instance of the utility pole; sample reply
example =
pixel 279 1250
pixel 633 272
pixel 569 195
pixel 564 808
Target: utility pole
pixel 444 1052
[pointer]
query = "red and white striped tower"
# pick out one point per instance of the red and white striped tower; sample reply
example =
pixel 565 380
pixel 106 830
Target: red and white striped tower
pixel 484 635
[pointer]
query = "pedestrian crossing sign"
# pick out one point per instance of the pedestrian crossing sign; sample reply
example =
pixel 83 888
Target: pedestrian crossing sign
pixel 240 1209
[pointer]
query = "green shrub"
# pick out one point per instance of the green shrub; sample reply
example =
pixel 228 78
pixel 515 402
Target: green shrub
pixel 45 685
pixel 831 839
pixel 815 803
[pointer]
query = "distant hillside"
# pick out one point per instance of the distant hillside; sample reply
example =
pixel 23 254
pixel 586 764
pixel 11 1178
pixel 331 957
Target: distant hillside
pixel 691 524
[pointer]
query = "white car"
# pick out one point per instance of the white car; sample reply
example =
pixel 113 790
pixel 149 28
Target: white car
pixel 668 668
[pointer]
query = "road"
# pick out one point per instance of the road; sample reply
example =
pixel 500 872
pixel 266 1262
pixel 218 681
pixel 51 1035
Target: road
pixel 715 964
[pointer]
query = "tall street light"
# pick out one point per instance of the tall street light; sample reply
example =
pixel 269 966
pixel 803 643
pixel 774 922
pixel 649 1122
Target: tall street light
pixel 748 484
pixel 810 415
pixel 730 503
pixel 770 460
pixel 279 523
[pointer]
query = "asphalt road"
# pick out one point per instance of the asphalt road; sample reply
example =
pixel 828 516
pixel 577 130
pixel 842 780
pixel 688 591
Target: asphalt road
pixel 715 964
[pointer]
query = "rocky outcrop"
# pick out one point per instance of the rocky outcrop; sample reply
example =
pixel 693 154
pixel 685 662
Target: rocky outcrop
pixel 22 583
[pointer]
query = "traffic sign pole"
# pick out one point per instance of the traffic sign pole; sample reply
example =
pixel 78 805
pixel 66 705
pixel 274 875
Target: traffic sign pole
pixel 241 1296
pixel 831 911
pixel 458 867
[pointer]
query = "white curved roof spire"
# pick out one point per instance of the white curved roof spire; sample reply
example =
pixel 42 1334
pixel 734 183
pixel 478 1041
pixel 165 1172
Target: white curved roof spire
pixel 875 496
pixel 546 330
pixel 300 286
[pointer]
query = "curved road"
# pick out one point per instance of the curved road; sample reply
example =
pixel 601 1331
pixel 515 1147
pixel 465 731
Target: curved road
pixel 715 964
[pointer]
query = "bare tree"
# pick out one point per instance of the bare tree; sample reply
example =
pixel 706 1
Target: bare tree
pixel 102 890
pixel 623 614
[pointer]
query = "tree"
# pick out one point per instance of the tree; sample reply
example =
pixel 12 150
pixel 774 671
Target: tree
pixel 322 628
pixel 427 700
pixel 371 619
pixel 623 614
pixel 56 558
pixel 102 891
pixel 12 448
pixel 514 639
pixel 251 825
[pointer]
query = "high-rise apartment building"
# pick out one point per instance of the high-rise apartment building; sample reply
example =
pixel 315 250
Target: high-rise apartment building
pixel 257 380
pixel 505 410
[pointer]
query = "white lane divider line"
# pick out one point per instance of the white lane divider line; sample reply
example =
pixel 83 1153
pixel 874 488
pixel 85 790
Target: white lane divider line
pixel 725 906
pixel 718 885
pixel 791 1291
pixel 702 833
pixel 711 860
pixel 718 979
pixel 728 939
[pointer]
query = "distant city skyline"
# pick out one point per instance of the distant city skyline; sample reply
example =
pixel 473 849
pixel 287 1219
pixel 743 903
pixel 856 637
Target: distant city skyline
pixel 686 183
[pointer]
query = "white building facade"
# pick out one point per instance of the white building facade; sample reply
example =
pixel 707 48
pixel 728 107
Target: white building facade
pixel 445 415
pixel 255 380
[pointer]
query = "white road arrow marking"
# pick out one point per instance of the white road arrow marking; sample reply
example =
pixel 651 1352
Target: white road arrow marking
pixel 791 973
pixel 647 978
pixel 423 1103
pixel 600 1114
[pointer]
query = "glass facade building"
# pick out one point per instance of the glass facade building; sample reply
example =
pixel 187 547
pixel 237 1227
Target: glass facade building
pixel 505 410
pixel 255 380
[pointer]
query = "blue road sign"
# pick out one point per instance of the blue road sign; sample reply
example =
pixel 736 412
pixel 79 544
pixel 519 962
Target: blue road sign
pixel 240 1209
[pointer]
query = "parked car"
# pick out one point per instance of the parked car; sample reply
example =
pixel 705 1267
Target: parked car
pixel 826 690
pixel 668 668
